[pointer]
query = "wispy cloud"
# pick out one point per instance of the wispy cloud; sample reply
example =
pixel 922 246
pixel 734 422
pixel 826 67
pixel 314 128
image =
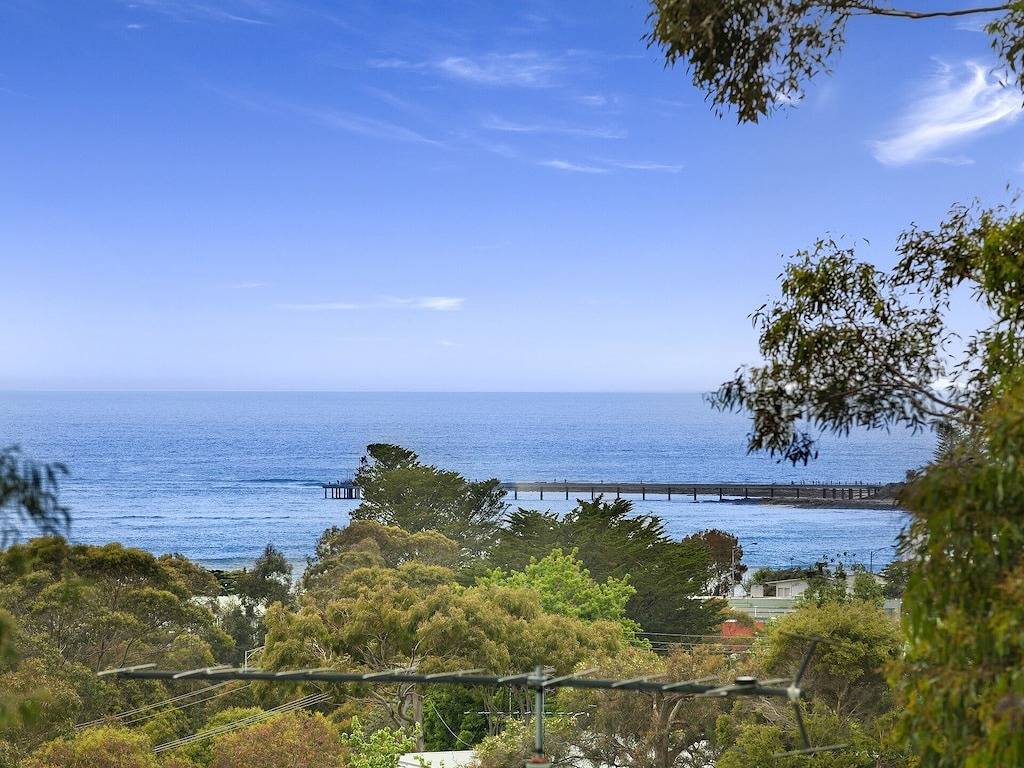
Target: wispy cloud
pixel 448 343
pixel 592 100
pixel 349 122
pixel 364 126
pixel 429 303
pixel 188 10
pixel 565 165
pixel 957 104
pixel 248 285
pixel 436 303
pixel 645 165
pixel 495 123
pixel 525 69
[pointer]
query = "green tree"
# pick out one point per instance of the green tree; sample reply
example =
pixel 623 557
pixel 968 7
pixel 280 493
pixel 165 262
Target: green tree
pixel 647 730
pixel 29 494
pixel 567 588
pixel 866 587
pixel 849 345
pixel 896 575
pixel 961 682
pixel 726 557
pixel 380 749
pixel 296 739
pixel 514 744
pixel 452 718
pixel 612 542
pixel 398 489
pixel 80 608
pixel 415 615
pixel 367 543
pixel 102 606
pixel 756 742
pixel 757 55
pixel 268 582
pixel 848 670
pixel 101 747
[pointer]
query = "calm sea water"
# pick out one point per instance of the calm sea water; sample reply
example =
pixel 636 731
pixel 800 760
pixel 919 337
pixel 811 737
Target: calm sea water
pixel 216 476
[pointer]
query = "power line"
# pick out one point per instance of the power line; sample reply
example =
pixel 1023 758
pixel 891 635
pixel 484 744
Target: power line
pixel 147 707
pixel 447 727
pixel 305 701
pixel 150 715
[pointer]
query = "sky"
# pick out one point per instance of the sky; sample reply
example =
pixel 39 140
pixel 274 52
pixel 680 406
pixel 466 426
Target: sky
pixel 496 196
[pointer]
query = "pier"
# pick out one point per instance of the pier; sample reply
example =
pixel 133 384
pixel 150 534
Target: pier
pixel 342 489
pixel 347 489
pixel 695 489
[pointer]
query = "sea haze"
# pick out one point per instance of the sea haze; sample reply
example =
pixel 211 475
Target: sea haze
pixel 217 475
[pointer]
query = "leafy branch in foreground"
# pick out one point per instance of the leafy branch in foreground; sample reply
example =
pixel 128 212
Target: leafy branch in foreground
pixel 29 493
pixel 757 55
pixel 848 345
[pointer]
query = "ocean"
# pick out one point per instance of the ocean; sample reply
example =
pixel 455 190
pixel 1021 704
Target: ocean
pixel 217 475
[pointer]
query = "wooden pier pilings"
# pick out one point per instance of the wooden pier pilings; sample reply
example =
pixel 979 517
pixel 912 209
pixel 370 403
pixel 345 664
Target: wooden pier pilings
pixel 691 489
pixel 341 490
pixel 580 488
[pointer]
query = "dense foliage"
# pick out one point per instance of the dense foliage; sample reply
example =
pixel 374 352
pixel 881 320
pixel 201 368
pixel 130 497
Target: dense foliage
pixel 29 496
pixel 960 683
pixel 566 594
pixel 614 543
pixel 398 489
pixel 757 55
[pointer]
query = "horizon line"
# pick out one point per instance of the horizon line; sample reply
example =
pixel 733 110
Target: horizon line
pixel 239 390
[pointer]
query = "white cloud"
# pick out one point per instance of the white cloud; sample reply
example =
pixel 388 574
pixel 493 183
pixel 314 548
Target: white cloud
pixel 495 123
pixel 438 303
pixel 393 64
pixel 447 343
pixel 430 303
pixel 248 285
pixel 594 100
pixel 331 118
pixel 644 165
pixel 365 126
pixel 957 104
pixel 526 69
pixel 188 10
pixel 565 165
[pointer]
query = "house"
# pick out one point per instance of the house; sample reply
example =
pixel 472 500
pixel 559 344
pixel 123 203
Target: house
pixel 777 598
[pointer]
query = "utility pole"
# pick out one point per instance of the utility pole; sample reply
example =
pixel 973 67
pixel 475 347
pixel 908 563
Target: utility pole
pixel 538 759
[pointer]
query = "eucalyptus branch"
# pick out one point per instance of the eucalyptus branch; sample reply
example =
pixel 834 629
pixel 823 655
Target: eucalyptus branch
pixel 870 9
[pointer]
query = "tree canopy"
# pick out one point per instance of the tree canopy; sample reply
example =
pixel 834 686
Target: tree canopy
pixel 848 345
pixel 612 542
pixel 566 587
pixel 851 346
pixel 756 56
pixel 398 489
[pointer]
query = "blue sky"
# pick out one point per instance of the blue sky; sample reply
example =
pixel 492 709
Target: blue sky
pixel 265 194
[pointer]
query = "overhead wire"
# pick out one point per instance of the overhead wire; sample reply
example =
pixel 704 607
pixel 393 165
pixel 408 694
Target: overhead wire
pixel 154 705
pixel 150 715
pixel 305 701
